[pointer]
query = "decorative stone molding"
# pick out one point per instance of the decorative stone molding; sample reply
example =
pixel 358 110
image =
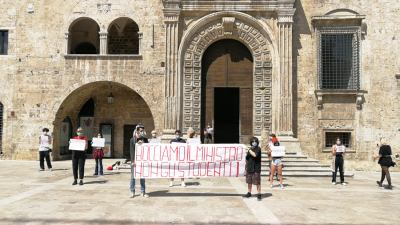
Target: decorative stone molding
pixel 228 23
pixel 262 75
pixel 104 7
pixel 66 43
pixel 359 95
pixel 103 43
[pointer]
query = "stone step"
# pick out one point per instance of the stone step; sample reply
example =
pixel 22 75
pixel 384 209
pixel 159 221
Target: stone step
pixel 301 169
pixel 307 174
pixel 301 165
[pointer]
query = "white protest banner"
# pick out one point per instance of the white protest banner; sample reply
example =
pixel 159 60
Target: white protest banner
pixel 77 145
pixel 340 148
pixel 189 160
pixel 98 142
pixel 277 151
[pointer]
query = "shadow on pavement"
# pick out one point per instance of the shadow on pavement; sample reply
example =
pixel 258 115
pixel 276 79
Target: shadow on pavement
pixel 166 193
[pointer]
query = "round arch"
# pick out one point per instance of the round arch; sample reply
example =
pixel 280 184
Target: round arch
pixel 128 108
pixel 123 36
pixel 227 25
pixel 83 36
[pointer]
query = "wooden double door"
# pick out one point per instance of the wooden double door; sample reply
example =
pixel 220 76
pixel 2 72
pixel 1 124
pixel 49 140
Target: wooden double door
pixel 227 91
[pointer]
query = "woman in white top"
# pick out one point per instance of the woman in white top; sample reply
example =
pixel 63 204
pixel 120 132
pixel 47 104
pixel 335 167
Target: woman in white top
pixel 44 149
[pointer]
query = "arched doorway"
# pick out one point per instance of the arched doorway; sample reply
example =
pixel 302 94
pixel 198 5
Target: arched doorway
pixel 106 107
pixel 227 91
pixel 123 37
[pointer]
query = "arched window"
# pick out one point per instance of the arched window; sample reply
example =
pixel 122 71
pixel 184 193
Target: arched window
pixel 123 37
pixel 1 127
pixel 84 37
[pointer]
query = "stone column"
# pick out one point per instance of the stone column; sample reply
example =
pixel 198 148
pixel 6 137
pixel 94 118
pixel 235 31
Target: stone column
pixel 103 43
pixel 140 42
pixel 172 113
pixel 66 43
pixel 285 110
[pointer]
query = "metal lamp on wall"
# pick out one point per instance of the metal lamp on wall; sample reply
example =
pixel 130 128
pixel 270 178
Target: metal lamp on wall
pixel 110 98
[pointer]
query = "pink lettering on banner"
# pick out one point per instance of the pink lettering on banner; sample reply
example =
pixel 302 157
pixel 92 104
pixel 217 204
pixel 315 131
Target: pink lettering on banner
pixel 189 160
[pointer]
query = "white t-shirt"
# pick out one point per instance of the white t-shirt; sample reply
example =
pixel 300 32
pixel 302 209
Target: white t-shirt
pixel 45 141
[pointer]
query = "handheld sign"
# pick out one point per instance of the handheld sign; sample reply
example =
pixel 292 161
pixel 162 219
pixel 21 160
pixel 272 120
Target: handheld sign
pixel 77 145
pixel 155 141
pixel 98 142
pixel 277 151
pixel 340 148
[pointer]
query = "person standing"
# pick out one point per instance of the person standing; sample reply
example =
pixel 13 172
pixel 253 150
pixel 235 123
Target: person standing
pixel 79 158
pixel 385 160
pixel 253 168
pixel 338 151
pixel 178 139
pixel 207 137
pixel 154 139
pixel 45 141
pixel 139 137
pixel 98 156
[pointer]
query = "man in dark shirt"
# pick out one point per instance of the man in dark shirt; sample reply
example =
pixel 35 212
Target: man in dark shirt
pixel 139 137
pixel 178 139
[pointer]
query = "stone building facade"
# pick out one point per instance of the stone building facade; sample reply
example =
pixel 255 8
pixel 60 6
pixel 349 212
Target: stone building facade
pixel 307 70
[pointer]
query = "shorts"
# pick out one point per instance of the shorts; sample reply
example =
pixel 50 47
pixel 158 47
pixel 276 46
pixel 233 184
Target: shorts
pixel 277 161
pixel 253 178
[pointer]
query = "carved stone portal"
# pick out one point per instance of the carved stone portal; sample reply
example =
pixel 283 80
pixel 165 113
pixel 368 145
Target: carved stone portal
pixel 228 28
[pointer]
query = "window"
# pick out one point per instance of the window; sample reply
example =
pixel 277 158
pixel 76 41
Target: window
pixel 3 42
pixel 338 59
pixel 83 37
pixel 330 138
pixel 123 37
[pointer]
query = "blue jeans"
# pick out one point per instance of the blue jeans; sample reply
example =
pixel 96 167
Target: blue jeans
pixel 99 167
pixel 142 182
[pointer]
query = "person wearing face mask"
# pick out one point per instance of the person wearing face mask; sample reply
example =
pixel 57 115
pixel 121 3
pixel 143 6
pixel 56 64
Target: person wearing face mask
pixel 154 139
pixel 139 137
pixel 338 151
pixel 253 168
pixel 98 155
pixel 178 139
pixel 44 149
pixel 79 158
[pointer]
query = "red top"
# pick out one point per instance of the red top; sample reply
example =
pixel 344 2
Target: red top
pixel 274 140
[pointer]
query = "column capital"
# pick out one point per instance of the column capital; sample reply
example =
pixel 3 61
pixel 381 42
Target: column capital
pixel 172 10
pixel 66 35
pixel 286 16
pixel 103 34
pixel 140 35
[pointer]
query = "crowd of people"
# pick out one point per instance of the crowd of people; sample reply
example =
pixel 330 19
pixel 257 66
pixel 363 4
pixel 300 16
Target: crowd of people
pixel 253 158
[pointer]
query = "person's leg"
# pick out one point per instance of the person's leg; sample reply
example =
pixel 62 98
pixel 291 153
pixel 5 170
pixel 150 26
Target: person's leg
pixel 101 166
pixel 336 169
pixel 383 174
pixel 142 185
pixel 341 163
pixel 96 167
pixel 82 166
pixel 271 179
pixel 388 178
pixel 249 187
pixel 269 175
pixel 47 155
pixel 280 174
pixel 75 167
pixel 41 159
pixel 132 183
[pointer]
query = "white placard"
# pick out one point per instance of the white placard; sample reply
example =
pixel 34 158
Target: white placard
pixel 77 145
pixel 277 151
pixel 340 148
pixel 98 142
pixel 155 141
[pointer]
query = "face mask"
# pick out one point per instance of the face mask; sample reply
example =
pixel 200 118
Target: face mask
pixel 79 133
pixel 254 144
pixel 142 134
pixel 338 142
pixel 177 136
pixel 44 133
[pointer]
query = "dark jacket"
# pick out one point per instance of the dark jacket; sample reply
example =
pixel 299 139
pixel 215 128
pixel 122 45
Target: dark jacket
pixel 178 140
pixel 132 145
pixel 253 164
pixel 385 152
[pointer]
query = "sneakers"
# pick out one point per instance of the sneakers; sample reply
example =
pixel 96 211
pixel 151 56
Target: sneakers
pixel 282 187
pixel 95 174
pixel 132 194
pixel 334 183
pixel 259 197
pixel 389 187
pixel 81 182
pixel 379 183
pixel 171 184
pixel 248 195
pixel 183 184
pixel 75 182
pixel 41 170
pixel 50 169
pixel 144 195
pixel 344 184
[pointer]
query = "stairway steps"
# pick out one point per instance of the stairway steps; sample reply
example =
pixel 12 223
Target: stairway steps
pixel 306 174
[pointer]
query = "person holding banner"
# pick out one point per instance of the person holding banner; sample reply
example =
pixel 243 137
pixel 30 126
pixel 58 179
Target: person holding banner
pixel 253 168
pixel 277 153
pixel 178 139
pixel 338 151
pixel 98 155
pixel 139 137
pixel 79 158
pixel 207 137
pixel 45 149
pixel 154 139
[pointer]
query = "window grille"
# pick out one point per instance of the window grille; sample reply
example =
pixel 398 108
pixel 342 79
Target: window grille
pixel 330 138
